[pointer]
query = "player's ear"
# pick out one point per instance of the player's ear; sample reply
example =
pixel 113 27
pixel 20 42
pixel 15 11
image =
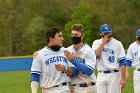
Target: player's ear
pixel 110 33
pixel 82 35
pixel 100 34
pixel 51 38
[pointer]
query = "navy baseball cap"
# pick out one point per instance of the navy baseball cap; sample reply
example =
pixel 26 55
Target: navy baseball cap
pixel 105 28
pixel 138 32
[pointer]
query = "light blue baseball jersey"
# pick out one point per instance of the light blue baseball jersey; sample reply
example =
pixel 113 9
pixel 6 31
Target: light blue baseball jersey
pixel 133 55
pixel 87 57
pixel 111 54
pixel 44 64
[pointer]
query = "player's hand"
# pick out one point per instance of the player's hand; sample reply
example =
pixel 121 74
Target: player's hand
pixel 59 67
pixel 105 39
pixel 71 56
pixel 123 83
pixel 35 54
pixel 127 76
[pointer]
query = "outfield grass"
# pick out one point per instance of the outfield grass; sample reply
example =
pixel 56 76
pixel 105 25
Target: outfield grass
pixel 19 82
pixel 15 82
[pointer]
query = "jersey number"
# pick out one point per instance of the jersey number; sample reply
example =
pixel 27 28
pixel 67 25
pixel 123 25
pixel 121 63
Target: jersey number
pixel 111 59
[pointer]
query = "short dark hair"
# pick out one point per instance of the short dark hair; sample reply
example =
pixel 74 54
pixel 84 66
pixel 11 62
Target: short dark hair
pixel 52 32
pixel 78 27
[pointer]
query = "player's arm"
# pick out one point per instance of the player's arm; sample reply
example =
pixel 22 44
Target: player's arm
pixel 34 82
pixel 35 73
pixel 100 48
pixel 35 54
pixel 127 72
pixel 80 66
pixel 128 65
pixel 129 59
pixel 122 64
pixel 72 71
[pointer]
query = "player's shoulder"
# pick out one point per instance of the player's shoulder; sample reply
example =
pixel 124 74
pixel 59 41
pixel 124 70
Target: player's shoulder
pixel 86 46
pixel 86 49
pixel 45 50
pixel 38 53
pixel 63 49
pixel 133 44
pixel 97 41
pixel 69 47
pixel 116 41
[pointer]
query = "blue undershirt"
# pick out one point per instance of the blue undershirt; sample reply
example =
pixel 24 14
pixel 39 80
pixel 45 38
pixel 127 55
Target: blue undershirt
pixel 82 67
pixel 122 62
pixel 128 63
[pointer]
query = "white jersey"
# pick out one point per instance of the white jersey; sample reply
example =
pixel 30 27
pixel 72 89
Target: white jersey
pixel 110 56
pixel 87 57
pixel 133 55
pixel 44 64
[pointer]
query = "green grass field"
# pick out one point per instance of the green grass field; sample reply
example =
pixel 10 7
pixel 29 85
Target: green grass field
pixel 19 82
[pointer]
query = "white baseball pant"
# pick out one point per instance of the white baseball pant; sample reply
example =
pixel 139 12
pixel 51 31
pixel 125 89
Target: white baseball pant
pixel 136 80
pixel 108 82
pixel 60 89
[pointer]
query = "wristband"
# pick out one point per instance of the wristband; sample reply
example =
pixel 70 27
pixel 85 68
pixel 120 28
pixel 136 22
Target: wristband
pixel 65 68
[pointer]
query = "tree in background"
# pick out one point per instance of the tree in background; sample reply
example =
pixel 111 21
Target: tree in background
pixel 23 23
pixel 83 14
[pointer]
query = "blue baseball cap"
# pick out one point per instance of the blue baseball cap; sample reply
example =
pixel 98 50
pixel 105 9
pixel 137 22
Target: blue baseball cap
pixel 138 32
pixel 105 28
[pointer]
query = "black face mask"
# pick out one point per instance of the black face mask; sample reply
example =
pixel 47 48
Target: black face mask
pixel 55 48
pixel 76 40
pixel 138 38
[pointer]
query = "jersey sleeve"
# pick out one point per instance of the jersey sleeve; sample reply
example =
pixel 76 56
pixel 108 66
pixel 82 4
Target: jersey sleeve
pixel 36 65
pixel 90 59
pixel 129 54
pixel 129 57
pixel 95 45
pixel 121 52
pixel 69 64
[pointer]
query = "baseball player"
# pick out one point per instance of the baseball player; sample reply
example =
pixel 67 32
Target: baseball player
pixel 84 61
pixel 110 59
pixel 51 67
pixel 133 59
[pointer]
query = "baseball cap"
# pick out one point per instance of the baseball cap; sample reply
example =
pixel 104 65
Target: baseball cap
pixel 138 32
pixel 105 28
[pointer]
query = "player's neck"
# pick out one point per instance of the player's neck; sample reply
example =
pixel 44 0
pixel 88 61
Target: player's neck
pixel 77 46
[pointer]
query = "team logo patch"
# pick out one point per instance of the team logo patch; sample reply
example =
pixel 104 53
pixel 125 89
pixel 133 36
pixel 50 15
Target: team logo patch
pixel 106 28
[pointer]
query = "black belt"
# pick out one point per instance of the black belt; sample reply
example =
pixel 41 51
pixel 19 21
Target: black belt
pixel 62 84
pixel 109 71
pixel 137 69
pixel 84 84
